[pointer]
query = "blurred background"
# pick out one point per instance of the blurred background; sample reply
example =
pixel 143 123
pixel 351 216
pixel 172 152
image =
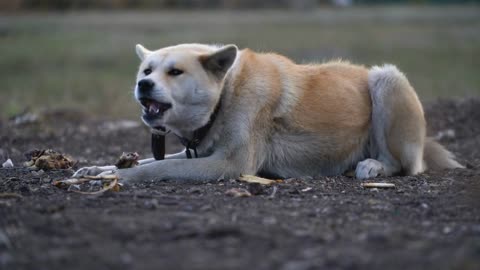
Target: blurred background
pixel 80 54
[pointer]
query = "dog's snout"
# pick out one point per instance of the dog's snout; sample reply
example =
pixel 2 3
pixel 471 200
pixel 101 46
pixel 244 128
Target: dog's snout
pixel 145 85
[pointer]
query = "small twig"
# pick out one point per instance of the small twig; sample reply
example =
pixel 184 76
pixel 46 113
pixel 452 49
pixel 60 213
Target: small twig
pixel 71 181
pixel 11 195
pixel 103 177
pixel 274 192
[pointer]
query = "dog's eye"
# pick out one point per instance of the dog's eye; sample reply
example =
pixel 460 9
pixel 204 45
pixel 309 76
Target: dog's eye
pixel 147 71
pixel 174 72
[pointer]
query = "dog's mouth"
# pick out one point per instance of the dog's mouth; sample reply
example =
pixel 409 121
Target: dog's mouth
pixel 154 108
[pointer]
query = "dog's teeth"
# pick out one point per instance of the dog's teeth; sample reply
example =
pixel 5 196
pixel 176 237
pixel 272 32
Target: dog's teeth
pixel 153 109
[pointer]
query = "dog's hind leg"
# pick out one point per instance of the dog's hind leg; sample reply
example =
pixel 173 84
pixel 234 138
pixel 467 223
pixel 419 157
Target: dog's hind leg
pixel 398 126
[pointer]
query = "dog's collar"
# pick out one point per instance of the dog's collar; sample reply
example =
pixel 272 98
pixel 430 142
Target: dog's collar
pixel 158 142
pixel 158 138
pixel 199 134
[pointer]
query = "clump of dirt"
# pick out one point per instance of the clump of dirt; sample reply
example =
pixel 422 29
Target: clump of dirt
pixel 47 160
pixel 428 221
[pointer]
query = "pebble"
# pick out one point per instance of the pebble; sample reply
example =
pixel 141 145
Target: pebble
pixel 448 134
pixel 38 173
pixel 307 189
pixel 238 192
pixel 7 164
pixel 424 206
pixel 24 189
pixel 255 188
pixel 427 223
pixel 195 191
pixel 151 204
pixel 269 221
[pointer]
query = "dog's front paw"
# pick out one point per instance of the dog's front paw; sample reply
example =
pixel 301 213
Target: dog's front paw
pixel 87 171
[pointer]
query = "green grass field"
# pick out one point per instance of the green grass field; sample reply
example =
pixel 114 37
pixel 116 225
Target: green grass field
pixel 87 60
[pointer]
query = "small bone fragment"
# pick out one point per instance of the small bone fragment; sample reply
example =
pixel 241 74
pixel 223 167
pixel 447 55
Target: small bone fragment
pixel 378 185
pixel 256 179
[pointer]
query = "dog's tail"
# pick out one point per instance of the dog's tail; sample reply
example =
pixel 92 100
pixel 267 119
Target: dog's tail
pixel 436 157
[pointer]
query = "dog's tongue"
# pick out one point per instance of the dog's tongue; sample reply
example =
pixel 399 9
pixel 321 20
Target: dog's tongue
pixel 153 107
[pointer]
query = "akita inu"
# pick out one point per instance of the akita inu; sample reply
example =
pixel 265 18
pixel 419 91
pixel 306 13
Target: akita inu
pixel 260 113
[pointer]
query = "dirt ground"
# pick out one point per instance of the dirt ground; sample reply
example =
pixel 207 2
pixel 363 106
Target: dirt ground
pixel 430 221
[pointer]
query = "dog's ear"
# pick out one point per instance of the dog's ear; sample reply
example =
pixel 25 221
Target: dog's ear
pixel 220 61
pixel 142 52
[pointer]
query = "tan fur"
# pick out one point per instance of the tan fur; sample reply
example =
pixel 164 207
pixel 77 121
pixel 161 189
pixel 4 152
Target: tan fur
pixel 284 119
pixel 327 88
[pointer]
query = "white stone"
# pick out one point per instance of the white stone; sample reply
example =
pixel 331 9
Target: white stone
pixel 7 164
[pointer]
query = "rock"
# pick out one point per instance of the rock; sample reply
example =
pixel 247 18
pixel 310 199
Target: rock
pixel 24 189
pixel 255 188
pixel 195 191
pixel 24 118
pixel 7 164
pixel 270 220
pixel 448 134
pixel 307 189
pixel 38 173
pixel 151 204
pixel 238 192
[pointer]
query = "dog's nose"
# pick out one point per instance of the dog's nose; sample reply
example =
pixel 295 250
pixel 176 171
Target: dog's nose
pixel 145 85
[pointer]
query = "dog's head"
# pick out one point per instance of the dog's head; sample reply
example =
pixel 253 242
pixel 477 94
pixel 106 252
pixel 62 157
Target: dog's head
pixel 179 86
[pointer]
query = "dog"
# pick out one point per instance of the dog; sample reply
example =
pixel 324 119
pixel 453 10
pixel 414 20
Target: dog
pixel 243 112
